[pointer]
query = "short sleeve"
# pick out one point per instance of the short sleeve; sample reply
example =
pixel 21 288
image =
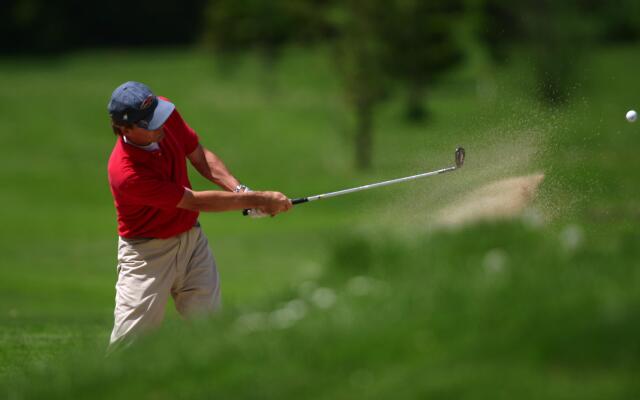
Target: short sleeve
pixel 188 137
pixel 148 190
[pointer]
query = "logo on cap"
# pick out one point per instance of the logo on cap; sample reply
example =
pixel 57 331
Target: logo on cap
pixel 146 103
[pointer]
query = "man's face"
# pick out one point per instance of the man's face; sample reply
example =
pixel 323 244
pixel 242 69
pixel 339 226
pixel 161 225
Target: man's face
pixel 143 136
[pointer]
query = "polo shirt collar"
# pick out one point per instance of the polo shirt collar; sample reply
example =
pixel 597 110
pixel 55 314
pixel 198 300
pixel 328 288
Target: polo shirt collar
pixel 135 152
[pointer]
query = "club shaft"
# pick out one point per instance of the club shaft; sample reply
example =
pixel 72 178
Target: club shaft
pixel 370 186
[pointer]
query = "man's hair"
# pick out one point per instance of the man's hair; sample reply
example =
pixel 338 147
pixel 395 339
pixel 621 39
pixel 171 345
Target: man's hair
pixel 117 126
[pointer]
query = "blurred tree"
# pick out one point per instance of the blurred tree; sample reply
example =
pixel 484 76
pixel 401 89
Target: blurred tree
pixel 419 45
pixel 554 33
pixel 559 32
pixel 498 27
pixel 359 57
pixel 235 26
pixel 374 42
pixel 620 19
pixel 377 41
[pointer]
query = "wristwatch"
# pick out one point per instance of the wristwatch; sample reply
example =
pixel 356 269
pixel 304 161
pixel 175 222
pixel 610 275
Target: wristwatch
pixel 241 188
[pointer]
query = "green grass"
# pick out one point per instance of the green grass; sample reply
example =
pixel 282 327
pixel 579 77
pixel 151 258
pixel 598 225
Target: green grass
pixel 556 318
pixel 495 311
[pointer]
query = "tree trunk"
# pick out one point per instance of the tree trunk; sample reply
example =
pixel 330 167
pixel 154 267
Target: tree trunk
pixel 364 136
pixel 415 111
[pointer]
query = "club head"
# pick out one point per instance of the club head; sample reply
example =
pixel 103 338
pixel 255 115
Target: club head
pixel 459 157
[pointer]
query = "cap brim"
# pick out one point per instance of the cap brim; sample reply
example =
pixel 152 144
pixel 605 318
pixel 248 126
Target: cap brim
pixel 161 114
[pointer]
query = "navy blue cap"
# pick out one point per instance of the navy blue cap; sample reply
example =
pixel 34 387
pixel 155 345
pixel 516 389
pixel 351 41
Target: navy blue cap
pixel 134 103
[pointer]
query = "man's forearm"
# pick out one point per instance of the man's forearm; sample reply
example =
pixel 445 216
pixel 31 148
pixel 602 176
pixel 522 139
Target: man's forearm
pixel 213 169
pixel 217 201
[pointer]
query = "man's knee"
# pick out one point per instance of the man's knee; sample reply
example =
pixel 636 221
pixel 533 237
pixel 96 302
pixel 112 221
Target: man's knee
pixel 198 302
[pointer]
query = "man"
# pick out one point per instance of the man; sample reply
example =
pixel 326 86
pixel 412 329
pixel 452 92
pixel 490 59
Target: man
pixel 162 251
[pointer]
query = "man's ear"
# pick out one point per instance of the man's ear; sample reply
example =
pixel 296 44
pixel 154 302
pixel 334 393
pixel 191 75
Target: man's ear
pixel 124 130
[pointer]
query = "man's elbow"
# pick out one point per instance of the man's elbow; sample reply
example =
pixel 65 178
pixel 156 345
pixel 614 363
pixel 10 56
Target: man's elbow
pixel 188 201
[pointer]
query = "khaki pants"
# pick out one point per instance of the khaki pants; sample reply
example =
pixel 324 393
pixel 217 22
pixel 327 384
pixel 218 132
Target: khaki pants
pixel 149 270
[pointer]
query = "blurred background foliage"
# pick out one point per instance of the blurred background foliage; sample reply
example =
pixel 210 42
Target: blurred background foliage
pixel 409 42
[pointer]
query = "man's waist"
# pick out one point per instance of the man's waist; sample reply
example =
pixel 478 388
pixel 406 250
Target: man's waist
pixel 195 225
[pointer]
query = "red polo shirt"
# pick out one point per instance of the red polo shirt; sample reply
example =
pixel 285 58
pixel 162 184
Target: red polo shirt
pixel 147 185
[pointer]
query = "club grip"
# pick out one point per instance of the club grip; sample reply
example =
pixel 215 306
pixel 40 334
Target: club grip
pixel 300 200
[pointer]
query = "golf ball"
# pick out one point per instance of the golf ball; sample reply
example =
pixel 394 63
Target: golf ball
pixel 632 116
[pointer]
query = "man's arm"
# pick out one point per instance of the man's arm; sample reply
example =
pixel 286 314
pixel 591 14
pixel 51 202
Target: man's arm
pixel 212 168
pixel 213 200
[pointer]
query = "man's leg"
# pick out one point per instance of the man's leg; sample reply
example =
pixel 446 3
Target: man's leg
pixel 197 291
pixel 146 271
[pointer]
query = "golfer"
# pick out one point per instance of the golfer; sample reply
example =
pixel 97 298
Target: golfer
pixel 162 250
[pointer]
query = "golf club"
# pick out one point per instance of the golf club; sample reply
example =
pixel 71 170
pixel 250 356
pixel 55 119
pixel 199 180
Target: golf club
pixel 459 161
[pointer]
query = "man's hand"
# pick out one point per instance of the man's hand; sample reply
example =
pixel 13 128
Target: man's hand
pixel 275 203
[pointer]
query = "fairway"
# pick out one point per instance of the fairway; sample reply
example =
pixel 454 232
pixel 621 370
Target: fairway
pixel 547 293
